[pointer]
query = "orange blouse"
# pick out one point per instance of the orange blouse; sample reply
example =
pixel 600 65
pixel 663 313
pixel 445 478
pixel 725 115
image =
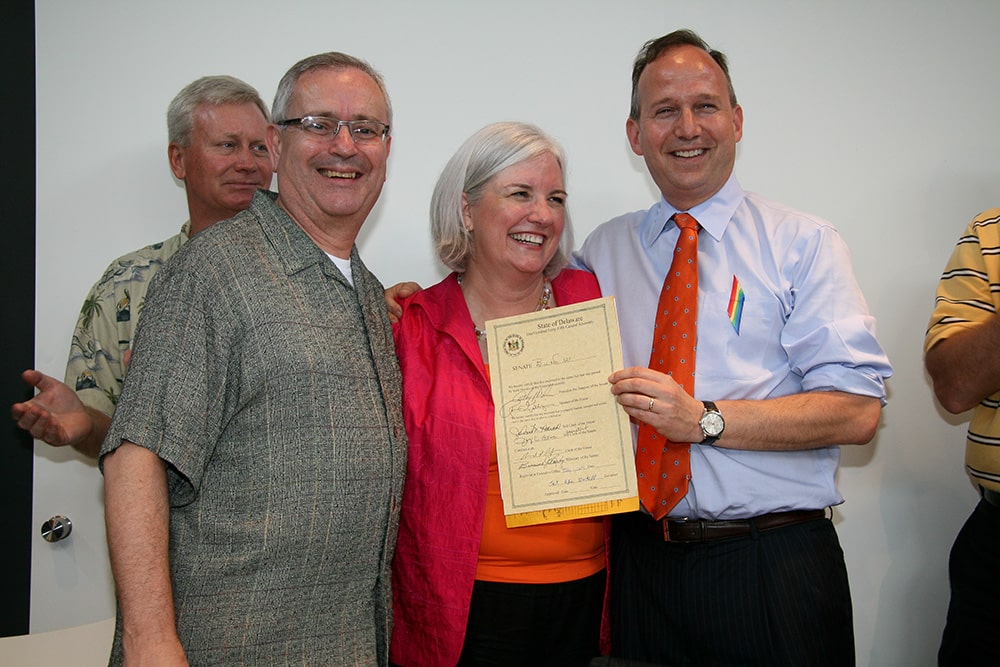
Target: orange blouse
pixel 538 554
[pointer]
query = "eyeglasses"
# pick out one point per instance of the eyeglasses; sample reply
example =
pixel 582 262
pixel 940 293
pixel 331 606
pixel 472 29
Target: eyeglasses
pixel 362 131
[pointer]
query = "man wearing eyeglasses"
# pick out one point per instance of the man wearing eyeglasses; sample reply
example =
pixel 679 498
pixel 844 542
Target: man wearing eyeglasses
pixel 254 466
pixel 216 127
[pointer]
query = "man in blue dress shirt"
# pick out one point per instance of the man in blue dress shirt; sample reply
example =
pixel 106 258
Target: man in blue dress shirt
pixel 747 567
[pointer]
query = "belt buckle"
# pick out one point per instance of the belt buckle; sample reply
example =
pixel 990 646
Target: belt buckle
pixel 665 522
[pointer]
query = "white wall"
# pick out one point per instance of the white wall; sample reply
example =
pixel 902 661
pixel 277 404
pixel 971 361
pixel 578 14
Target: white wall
pixel 881 117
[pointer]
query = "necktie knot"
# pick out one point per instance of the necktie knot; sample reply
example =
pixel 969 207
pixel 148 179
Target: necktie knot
pixel 685 221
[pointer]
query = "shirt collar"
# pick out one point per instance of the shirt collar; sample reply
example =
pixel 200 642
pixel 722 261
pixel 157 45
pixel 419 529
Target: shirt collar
pixel 713 215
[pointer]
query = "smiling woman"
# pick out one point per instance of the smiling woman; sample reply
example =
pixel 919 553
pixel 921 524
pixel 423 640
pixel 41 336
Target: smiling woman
pixel 466 587
pixel 515 223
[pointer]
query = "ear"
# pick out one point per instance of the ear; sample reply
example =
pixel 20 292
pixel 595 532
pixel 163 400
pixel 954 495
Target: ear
pixel 175 154
pixel 466 212
pixel 738 121
pixel 632 132
pixel 273 140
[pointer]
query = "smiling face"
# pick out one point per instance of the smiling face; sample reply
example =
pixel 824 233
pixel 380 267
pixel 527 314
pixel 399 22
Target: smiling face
pixel 687 128
pixel 330 184
pixel 225 163
pixel 518 220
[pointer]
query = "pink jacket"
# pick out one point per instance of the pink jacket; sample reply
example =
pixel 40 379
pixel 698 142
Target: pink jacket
pixel 448 411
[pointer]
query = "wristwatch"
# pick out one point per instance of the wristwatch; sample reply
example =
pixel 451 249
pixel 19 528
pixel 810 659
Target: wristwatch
pixel 712 424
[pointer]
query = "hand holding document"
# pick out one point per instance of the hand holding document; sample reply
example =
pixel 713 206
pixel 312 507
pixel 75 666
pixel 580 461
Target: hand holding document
pixel 564 445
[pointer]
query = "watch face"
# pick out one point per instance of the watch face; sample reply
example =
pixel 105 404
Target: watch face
pixel 712 424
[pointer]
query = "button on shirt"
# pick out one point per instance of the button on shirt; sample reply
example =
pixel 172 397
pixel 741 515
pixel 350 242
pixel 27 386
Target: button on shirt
pixel 804 327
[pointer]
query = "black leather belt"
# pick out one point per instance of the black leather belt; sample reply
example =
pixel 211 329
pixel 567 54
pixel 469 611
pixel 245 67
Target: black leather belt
pixel 695 530
pixel 991 496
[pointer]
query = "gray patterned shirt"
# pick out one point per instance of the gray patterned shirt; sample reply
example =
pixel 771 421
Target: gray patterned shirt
pixel 270 386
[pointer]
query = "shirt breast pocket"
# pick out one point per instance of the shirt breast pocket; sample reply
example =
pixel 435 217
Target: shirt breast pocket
pixel 740 345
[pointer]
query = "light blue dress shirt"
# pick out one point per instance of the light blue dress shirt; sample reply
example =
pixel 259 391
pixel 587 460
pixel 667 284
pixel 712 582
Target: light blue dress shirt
pixel 804 327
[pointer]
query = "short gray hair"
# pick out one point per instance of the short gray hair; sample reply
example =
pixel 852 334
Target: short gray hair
pixel 331 60
pixel 212 91
pixel 483 155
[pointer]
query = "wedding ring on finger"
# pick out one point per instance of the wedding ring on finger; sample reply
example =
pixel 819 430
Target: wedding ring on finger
pixel 650 406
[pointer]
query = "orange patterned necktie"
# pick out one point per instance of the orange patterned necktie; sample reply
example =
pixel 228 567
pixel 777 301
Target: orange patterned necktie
pixel 664 467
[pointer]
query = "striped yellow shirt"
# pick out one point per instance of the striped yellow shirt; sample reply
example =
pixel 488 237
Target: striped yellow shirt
pixel 969 294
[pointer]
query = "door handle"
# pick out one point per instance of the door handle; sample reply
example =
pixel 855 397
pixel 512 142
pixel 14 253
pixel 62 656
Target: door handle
pixel 57 528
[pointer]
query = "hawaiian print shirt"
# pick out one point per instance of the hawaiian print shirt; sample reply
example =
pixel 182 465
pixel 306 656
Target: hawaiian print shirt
pixel 108 320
